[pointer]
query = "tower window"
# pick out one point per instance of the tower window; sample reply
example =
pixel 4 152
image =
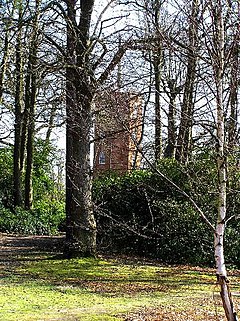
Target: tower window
pixel 102 158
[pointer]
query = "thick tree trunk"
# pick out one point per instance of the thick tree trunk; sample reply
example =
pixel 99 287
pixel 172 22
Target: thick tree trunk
pixel 81 226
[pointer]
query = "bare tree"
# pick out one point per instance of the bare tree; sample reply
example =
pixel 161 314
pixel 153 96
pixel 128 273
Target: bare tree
pixel 233 135
pixel 4 59
pixel 17 189
pixel 81 226
pixel 219 61
pixel 30 105
pixel 81 86
pixel 157 64
pixel 183 148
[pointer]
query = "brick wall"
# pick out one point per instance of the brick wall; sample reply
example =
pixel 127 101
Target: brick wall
pixel 118 127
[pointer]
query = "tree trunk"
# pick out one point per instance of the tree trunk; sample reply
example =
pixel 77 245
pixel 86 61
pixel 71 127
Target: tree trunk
pixel 157 65
pixel 3 64
pixel 5 55
pixel 24 127
pixel 17 190
pixel 158 124
pixel 30 101
pixel 171 126
pixel 232 130
pixel 81 226
pixel 221 164
pixel 30 146
pixel 183 149
pixel 51 123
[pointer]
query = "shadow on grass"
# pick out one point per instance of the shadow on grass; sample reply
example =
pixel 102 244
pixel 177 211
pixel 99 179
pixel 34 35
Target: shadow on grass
pixel 40 259
pixel 107 277
pixel 106 284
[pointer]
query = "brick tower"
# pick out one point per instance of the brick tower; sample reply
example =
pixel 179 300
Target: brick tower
pixel 118 132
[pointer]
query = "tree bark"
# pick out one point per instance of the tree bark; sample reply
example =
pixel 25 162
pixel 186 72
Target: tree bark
pixel 81 87
pixel 171 126
pixel 157 65
pixel 158 123
pixel 81 226
pixel 4 63
pixel 17 173
pixel 183 149
pixel 30 102
pixel 221 163
pixel 232 130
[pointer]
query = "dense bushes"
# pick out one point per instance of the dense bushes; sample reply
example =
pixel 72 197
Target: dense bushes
pixel 6 177
pixel 138 213
pixel 48 212
pixel 44 219
pixel 141 213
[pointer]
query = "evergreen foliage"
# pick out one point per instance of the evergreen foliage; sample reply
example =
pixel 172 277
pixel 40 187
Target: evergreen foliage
pixel 142 214
pixel 48 211
pixel 138 213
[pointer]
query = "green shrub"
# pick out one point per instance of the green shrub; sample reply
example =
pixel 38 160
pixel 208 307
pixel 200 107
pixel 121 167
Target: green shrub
pixel 143 214
pixel 6 177
pixel 44 219
pixel 47 214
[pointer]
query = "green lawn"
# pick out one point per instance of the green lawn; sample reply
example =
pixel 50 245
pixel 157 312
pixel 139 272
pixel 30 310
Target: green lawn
pixel 46 288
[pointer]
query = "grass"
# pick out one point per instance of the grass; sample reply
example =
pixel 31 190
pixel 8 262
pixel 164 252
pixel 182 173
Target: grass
pixel 45 288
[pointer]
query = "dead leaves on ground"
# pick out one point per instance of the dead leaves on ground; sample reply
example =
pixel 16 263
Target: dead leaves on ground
pixel 195 311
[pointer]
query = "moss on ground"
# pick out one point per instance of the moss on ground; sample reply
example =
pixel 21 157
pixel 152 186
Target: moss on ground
pixel 46 288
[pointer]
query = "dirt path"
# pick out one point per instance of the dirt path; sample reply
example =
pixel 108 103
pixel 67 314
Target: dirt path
pixel 13 246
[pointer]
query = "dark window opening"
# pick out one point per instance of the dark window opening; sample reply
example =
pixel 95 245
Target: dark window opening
pixel 102 158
